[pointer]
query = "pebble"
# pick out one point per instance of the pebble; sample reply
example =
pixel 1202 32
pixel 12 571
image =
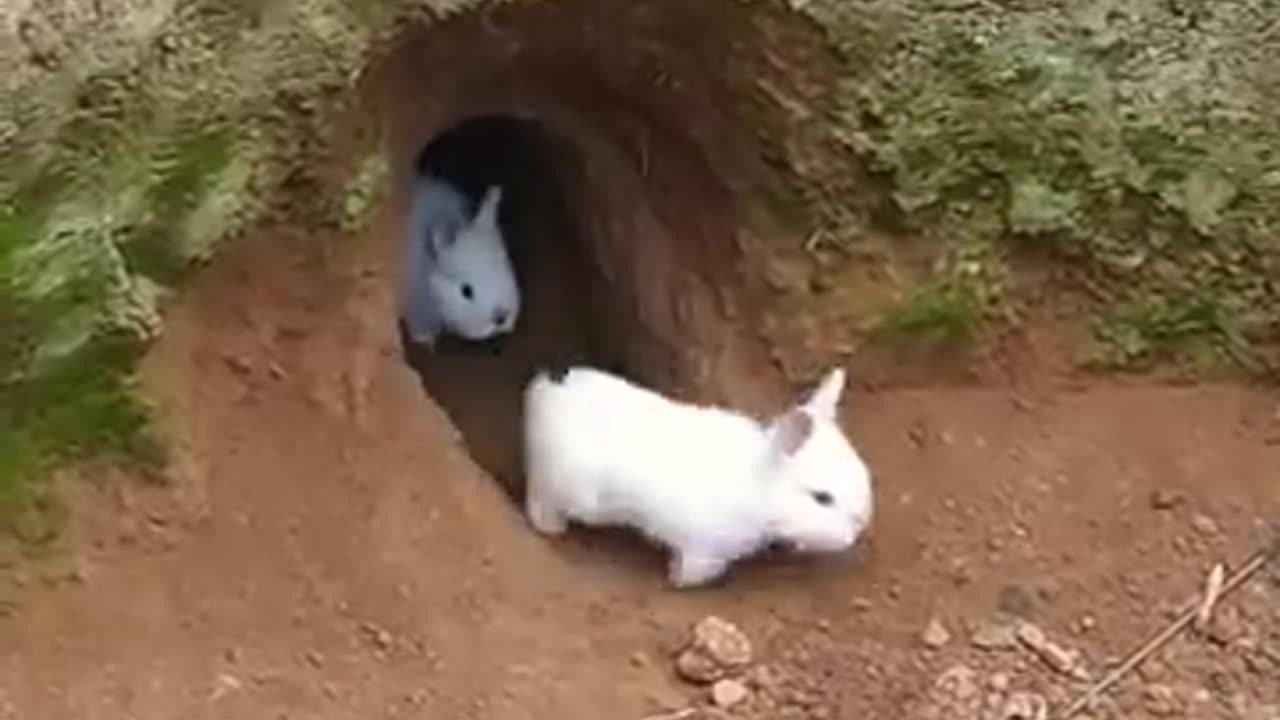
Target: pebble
pixel 1087 623
pixel 959 683
pixel 935 635
pixel 1160 700
pixel 717 649
pixel 1164 499
pixel 1025 706
pixel 381 639
pixel 726 693
pixel 1055 656
pixel 994 636
pixel 1204 525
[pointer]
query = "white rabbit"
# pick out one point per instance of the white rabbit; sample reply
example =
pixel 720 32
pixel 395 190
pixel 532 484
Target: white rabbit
pixel 710 484
pixel 458 276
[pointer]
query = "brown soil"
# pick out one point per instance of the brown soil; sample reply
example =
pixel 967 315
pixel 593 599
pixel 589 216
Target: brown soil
pixel 334 543
pixel 328 550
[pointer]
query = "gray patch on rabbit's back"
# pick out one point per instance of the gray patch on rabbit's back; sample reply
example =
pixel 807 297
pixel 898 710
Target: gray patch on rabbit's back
pixel 557 373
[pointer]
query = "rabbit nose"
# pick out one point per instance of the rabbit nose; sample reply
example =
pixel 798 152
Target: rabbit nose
pixel 499 317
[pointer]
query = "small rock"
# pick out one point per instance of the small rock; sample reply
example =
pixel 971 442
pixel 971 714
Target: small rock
pixel 1025 706
pixel 918 435
pixel 727 693
pixel 1164 499
pixel 379 637
pixel 224 684
pixel 238 363
pixel 1055 656
pixel 1204 525
pixel 639 660
pixel 935 635
pixel 718 648
pixel 994 636
pixel 999 682
pixel 1160 700
pixel 1225 626
pixel 961 573
pixel 315 659
pixel 959 682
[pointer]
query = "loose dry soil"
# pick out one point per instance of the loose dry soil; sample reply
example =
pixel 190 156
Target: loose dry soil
pixel 328 549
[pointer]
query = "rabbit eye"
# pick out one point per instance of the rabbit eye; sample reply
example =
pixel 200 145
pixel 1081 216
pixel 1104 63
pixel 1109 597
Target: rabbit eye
pixel 823 498
pixel 467 291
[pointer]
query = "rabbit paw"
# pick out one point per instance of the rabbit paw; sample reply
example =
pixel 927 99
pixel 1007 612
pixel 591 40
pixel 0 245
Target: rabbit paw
pixel 544 517
pixel 689 570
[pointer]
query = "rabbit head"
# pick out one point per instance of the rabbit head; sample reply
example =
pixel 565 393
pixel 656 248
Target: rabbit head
pixel 820 488
pixel 472 277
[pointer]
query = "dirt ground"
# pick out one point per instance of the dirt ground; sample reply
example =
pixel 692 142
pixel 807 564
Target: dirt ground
pixel 327 549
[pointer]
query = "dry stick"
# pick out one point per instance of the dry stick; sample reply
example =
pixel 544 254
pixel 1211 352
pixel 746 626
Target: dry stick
pixel 1188 613
pixel 674 715
pixel 1212 591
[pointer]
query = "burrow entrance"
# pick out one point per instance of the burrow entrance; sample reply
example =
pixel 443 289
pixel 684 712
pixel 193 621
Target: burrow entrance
pixel 593 291
pixel 631 142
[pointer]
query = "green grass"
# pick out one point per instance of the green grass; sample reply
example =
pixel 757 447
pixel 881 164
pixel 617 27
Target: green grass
pixel 80 407
pixel 946 312
pixel 1150 329
pixel 73 403
pixel 177 176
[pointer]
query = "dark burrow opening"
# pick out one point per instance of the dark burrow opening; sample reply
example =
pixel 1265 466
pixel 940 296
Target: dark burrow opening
pixel 479 383
pixel 609 289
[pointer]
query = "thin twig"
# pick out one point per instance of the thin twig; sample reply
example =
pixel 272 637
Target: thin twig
pixel 674 715
pixel 1188 613
pixel 1212 591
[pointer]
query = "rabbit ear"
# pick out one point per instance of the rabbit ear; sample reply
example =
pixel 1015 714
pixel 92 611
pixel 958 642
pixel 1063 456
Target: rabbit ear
pixel 439 239
pixel 487 215
pixel 791 431
pixel 824 402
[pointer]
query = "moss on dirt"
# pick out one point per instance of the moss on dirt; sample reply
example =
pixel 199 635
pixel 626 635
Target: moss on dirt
pixel 134 148
pixel 1135 139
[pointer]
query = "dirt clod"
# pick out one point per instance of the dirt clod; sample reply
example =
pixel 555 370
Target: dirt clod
pixel 991 635
pixel 1165 499
pixel 380 638
pixel 1055 656
pixel 1161 700
pixel 955 695
pixel 935 635
pixel 717 649
pixel 1204 525
pixel 728 692
pixel 1025 706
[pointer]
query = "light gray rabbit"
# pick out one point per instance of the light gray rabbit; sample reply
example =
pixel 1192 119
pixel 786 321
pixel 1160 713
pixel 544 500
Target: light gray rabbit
pixel 458 276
